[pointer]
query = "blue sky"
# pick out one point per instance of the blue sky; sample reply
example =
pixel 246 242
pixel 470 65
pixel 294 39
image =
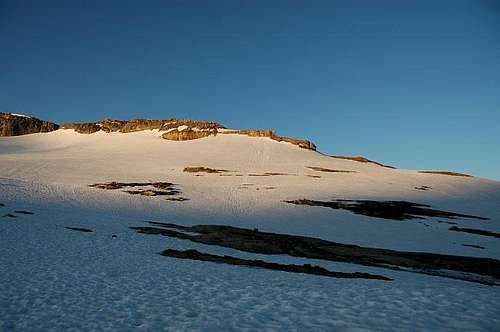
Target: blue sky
pixel 415 84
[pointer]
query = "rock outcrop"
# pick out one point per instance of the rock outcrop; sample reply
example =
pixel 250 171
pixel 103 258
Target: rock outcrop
pixel 15 125
pixel 305 144
pixel 179 130
pixel 361 159
pixel 475 269
pixel 109 125
pixel 187 134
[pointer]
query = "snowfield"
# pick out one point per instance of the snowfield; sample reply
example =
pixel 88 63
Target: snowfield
pixel 54 278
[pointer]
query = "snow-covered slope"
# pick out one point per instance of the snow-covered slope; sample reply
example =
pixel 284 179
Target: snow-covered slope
pixel 122 283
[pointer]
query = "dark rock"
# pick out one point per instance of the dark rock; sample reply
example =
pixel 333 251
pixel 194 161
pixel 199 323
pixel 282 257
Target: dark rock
pixel 118 185
pixel 475 269
pixel 161 188
pixel 306 268
pixel 424 188
pixel 271 174
pixel 23 212
pixel 85 230
pixel 362 160
pixel 15 125
pixel 394 210
pixel 149 192
pixel 177 199
pixel 329 170
pixel 474 231
pixel 202 169
pixel 8 215
pixel 473 246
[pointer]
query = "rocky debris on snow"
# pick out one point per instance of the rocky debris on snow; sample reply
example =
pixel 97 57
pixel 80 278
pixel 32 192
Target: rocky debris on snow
pixel 23 212
pixel 305 268
pixel 474 269
pixel 159 188
pixel 363 160
pixel 16 125
pixel 118 185
pixel 85 230
pixel 329 170
pixel 313 176
pixel 152 192
pixel 394 210
pixel 474 231
pixel 177 199
pixel 202 169
pixel 271 174
pixel 445 173
pixel 423 188
pixel 8 215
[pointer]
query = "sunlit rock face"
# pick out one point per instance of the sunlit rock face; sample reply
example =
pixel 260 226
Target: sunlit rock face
pixel 16 124
pixel 128 126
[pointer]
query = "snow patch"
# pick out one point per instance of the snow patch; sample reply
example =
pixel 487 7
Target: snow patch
pixel 21 115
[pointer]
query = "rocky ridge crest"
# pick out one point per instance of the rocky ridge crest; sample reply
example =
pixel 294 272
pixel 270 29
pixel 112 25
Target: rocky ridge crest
pixel 16 124
pixel 171 129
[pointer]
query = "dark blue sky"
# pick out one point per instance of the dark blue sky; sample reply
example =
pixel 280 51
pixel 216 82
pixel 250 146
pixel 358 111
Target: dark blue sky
pixel 415 84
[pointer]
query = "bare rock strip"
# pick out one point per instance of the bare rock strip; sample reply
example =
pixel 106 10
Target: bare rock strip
pixel 202 169
pixel 446 173
pixel 474 269
pixel 305 268
pixel 79 229
pixel 143 188
pixel 361 159
pixel 394 210
pixel 329 170
pixel 475 231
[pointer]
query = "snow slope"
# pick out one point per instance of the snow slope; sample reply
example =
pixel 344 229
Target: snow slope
pixel 54 277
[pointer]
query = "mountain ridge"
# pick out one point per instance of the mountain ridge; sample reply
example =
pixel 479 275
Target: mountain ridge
pixel 18 124
pixel 172 129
